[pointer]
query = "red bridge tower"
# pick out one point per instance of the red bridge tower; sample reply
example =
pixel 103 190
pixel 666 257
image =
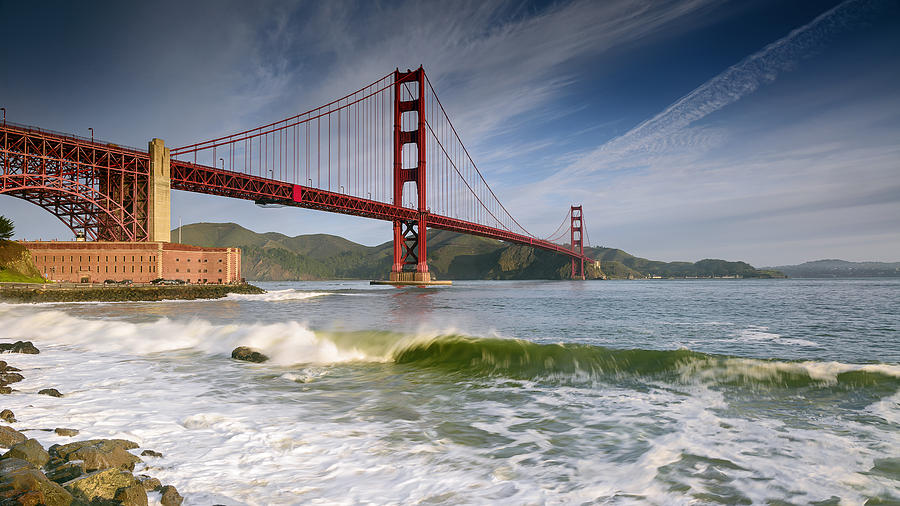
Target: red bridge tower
pixel 410 236
pixel 577 242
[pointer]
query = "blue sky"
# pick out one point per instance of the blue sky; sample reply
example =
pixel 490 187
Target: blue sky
pixel 759 131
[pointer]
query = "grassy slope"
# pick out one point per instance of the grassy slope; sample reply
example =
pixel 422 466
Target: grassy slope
pixel 16 265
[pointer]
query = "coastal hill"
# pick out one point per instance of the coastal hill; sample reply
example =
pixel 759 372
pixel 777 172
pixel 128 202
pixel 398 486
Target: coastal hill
pixel 841 269
pixel 276 257
pixel 16 264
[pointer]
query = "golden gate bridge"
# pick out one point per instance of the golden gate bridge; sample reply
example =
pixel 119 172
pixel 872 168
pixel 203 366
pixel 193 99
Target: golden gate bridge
pixel 386 151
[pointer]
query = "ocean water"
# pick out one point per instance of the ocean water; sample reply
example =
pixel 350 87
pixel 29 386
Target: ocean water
pixel 640 392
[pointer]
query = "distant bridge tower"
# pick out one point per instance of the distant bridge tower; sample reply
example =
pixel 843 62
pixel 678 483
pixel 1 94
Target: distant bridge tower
pixel 577 242
pixel 410 236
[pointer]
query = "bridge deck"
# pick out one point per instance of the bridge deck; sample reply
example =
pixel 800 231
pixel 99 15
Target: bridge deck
pixel 203 179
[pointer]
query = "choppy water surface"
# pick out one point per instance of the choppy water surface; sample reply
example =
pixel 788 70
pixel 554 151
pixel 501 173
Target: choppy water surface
pixel 769 391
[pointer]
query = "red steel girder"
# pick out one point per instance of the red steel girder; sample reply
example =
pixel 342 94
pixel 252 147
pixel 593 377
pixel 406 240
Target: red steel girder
pixel 96 189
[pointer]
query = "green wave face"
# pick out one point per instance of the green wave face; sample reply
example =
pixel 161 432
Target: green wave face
pixel 519 359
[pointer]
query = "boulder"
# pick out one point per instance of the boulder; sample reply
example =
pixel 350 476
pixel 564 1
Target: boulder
pixel 65 471
pixel 64 451
pixel 7 416
pixel 134 495
pixel 149 482
pixel 98 454
pixel 5 390
pixel 170 496
pixel 22 483
pixel 150 453
pixel 100 486
pixel 248 354
pixel 29 450
pixel 3 365
pixel 8 377
pixel 10 436
pixel 19 347
pixel 10 368
pixel 64 432
pixel 52 392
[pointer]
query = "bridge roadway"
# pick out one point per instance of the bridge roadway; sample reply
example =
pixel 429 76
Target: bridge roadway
pixel 35 160
pixel 203 179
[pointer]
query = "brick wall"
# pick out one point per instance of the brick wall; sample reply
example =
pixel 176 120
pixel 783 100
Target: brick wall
pixel 143 262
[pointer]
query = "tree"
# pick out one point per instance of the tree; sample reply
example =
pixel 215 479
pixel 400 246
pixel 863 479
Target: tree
pixel 6 228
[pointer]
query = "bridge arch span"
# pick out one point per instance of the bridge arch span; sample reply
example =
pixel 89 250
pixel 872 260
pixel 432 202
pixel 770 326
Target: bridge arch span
pixel 99 191
pixel 84 210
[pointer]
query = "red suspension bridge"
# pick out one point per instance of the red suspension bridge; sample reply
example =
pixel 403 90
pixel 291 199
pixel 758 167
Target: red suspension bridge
pixel 387 151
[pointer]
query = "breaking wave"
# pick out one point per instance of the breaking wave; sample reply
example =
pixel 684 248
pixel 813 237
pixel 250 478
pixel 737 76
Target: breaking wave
pixel 290 343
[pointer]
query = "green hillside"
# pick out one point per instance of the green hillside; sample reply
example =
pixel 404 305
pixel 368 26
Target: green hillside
pixel 16 264
pixel 275 257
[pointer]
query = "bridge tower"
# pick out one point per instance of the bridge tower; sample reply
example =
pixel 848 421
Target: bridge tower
pixel 577 242
pixel 410 236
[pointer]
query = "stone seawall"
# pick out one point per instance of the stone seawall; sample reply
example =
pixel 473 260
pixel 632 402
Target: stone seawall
pixel 75 293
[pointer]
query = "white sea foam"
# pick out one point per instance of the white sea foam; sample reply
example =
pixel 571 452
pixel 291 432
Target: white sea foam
pixel 732 369
pixel 278 295
pixel 762 334
pixel 286 342
pixel 234 433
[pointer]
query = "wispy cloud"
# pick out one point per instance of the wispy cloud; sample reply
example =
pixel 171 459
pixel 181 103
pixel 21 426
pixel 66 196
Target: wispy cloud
pixel 666 132
pixel 491 62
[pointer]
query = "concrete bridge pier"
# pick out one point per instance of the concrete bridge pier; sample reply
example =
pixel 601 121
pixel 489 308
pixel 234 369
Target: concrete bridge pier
pixel 159 195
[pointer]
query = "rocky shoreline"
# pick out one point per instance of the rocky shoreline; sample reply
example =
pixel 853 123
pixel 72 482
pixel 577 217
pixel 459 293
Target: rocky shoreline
pixel 87 472
pixel 52 293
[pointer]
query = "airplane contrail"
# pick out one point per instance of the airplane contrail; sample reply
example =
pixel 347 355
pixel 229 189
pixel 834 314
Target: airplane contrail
pixel 734 83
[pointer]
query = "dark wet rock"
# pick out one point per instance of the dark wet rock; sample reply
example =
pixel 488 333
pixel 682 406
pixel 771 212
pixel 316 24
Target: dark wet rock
pixel 19 347
pixel 170 496
pixel 29 450
pixel 5 390
pixel 60 431
pixel 149 482
pixel 52 392
pixel 66 450
pixel 96 459
pixel 100 487
pixel 22 483
pixel 150 453
pixel 10 368
pixel 3 365
pixel 10 436
pixel 248 354
pixel 7 416
pixel 65 471
pixel 10 377
pixel 98 454
pixel 133 495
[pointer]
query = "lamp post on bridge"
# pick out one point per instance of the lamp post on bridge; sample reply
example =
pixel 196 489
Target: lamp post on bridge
pixel 223 163
pixel 92 134
pixel 4 115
